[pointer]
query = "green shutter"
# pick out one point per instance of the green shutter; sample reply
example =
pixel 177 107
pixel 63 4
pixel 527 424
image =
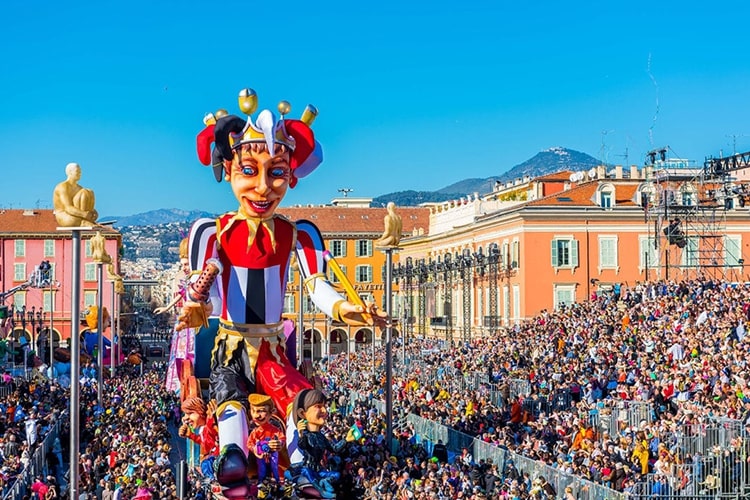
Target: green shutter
pixel 554 253
pixel 574 253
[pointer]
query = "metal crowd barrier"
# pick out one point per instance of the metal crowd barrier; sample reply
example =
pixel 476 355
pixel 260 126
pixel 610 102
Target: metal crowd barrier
pixel 614 416
pixel 37 464
pixel 428 430
pixel 5 390
pixel 716 451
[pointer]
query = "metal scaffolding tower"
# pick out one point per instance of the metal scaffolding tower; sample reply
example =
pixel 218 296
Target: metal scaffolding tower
pixel 687 209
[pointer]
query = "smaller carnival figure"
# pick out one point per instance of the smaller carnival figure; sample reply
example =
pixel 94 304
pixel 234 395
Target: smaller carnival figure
pixel 90 336
pixel 182 351
pixel 266 439
pixel 310 414
pixel 199 426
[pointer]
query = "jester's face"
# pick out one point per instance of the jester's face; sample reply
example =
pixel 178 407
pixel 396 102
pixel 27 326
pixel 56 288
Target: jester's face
pixel 259 180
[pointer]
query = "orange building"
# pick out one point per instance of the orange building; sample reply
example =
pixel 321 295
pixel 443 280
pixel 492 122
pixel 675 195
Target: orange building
pixel 537 244
pixel 349 227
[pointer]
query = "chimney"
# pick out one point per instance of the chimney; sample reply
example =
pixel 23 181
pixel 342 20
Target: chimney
pixel 601 172
pixel 634 173
pixel 618 171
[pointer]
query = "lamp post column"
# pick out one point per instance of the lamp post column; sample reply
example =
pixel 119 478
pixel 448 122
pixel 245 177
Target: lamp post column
pixel 51 330
pixel 389 348
pixel 100 332
pixel 112 334
pixel 75 363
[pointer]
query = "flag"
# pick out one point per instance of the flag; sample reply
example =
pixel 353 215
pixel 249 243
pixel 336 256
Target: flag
pixel 355 432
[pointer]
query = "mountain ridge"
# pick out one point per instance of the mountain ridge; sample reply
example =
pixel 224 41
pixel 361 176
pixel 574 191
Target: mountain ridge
pixel 158 216
pixel 548 161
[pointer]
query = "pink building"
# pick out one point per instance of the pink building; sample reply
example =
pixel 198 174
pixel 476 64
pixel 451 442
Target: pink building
pixel 29 237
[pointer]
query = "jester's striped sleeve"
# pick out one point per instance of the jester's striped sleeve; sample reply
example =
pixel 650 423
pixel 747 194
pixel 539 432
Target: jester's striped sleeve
pixel 201 248
pixel 310 248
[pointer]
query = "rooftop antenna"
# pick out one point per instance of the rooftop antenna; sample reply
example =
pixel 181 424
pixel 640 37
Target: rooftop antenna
pixel 734 141
pixel 603 152
pixel 656 111
pixel 345 191
pixel 625 155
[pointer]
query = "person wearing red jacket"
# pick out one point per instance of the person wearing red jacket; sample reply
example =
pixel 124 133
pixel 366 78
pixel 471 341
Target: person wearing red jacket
pixel 199 426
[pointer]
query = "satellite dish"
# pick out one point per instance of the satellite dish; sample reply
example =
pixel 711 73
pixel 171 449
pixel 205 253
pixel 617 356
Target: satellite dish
pixel 580 175
pixel 573 177
pixel 592 173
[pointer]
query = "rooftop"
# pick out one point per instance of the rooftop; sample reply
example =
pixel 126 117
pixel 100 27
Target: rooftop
pixel 33 221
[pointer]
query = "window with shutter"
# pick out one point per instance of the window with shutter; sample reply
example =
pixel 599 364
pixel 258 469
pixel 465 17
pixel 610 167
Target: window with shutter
pixel 564 252
pixel 732 250
pixel 607 252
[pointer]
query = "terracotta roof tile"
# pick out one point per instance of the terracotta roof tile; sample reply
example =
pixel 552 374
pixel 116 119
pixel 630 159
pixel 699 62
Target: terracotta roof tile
pixel 332 220
pixel 563 175
pixel 30 221
pixel 583 195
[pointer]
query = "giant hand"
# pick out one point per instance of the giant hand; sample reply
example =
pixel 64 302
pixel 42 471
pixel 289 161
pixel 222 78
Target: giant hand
pixel 357 315
pixel 193 315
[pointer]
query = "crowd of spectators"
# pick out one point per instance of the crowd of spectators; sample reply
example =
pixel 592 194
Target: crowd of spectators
pixel 680 349
pixel 29 409
pixel 126 442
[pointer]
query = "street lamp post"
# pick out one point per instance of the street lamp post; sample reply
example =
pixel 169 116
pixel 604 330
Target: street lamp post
pixel 493 258
pixel 21 317
pixel 36 319
pixel 51 329
pixel 112 341
pixel 466 262
pixel 480 260
pixel 100 332
pixel 348 346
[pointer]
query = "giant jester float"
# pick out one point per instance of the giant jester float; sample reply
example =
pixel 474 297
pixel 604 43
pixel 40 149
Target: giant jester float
pixel 242 260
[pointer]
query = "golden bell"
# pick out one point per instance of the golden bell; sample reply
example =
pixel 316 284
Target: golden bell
pixel 284 107
pixel 248 100
pixel 220 113
pixel 309 115
pixel 209 119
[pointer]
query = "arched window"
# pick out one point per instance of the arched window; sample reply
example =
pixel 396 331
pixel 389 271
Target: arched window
pixel 646 195
pixel 605 196
pixel 688 195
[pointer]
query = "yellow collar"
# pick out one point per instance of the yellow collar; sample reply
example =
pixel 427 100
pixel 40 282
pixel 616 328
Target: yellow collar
pixel 252 226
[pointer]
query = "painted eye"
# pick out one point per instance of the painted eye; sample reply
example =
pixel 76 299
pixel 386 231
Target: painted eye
pixel 278 172
pixel 248 170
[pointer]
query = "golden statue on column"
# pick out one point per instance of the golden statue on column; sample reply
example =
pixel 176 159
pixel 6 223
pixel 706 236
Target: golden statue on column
pixel 98 251
pixel 392 231
pixel 73 204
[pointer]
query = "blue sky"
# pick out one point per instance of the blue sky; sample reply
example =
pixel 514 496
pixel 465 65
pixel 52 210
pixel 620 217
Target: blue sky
pixel 412 95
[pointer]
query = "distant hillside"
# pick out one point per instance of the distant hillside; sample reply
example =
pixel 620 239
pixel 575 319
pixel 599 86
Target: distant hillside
pixel 550 161
pixel 156 217
pixel 414 198
pixel 545 162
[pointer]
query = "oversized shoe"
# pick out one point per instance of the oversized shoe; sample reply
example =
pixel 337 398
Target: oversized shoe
pixel 230 469
pixel 305 488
